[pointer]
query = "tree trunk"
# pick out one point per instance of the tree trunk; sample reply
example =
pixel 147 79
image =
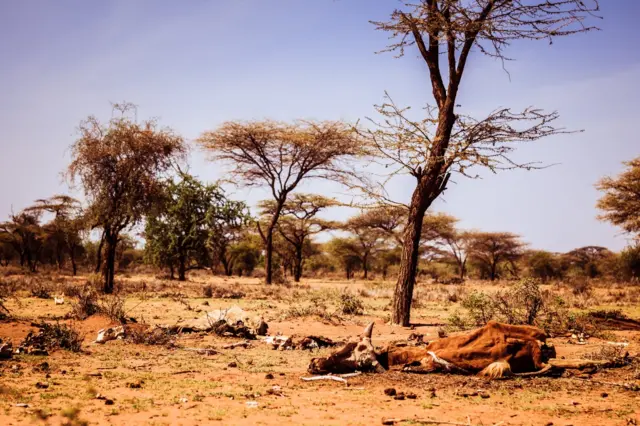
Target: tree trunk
pixel 493 269
pixel 172 271
pixel 463 269
pixel 182 269
pixel 409 260
pixel 297 268
pixel 74 266
pixel 99 254
pixel 268 267
pixel 365 266
pixel 108 273
pixel 268 239
pixel 226 265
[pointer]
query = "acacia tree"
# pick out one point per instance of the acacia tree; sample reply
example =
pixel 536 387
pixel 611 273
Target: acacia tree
pixel 446 33
pixel 299 222
pixel 25 234
pixel 368 238
pixel 490 249
pixel 65 228
pixel 347 253
pixel 120 166
pixel 280 155
pixel 621 200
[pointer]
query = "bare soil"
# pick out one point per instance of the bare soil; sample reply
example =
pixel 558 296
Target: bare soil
pixel 178 386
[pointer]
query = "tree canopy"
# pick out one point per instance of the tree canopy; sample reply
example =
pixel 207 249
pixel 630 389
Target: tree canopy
pixel 621 200
pixel 279 156
pixel 119 166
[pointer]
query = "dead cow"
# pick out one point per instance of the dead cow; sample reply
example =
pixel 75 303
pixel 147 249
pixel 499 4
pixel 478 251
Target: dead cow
pixel 493 351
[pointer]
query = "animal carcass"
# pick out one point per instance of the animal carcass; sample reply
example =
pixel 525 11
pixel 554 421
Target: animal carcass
pixel 493 351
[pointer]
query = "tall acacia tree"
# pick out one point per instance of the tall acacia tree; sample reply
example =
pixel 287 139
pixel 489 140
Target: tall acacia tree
pixel 299 222
pixel 280 155
pixel 120 166
pixel 446 33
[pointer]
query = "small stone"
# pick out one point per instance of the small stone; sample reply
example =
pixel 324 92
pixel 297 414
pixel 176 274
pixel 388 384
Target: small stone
pixel 390 392
pixel 411 395
pixel 433 392
pixel 399 397
pixel 484 395
pixel 282 374
pixel 268 376
pixel 41 385
pixel 135 385
pixel 575 403
pixel 549 424
pixel 108 402
pixel 232 365
pixel 604 394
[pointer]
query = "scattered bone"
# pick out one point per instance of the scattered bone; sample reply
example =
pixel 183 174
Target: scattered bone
pixel 244 344
pixel 314 342
pixel 393 421
pixel 327 377
pixel 341 378
pixel 111 333
pixel 279 342
pixel 58 300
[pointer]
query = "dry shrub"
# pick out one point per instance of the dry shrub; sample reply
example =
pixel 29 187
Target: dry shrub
pixel 608 353
pixel 523 304
pixel 72 290
pixel 54 336
pixel 40 290
pixel 89 303
pixel 11 270
pixel 86 304
pixel 350 304
pixel 219 292
pixel 113 307
pixel 316 306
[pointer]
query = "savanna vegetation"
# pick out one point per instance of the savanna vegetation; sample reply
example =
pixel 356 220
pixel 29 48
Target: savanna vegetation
pixel 147 245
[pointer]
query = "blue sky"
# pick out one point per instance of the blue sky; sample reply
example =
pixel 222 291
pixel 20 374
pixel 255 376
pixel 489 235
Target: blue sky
pixel 194 64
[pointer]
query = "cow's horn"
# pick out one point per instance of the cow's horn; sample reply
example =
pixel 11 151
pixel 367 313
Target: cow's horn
pixel 368 330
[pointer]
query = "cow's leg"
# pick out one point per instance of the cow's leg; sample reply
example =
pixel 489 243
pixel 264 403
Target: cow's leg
pixel 496 370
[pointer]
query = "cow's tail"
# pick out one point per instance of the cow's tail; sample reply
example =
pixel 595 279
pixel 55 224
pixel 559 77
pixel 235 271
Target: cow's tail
pixel 496 370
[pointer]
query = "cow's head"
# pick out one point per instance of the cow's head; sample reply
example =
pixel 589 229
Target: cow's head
pixel 356 355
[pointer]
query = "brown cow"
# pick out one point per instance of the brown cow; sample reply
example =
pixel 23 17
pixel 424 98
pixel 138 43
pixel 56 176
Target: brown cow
pixel 494 350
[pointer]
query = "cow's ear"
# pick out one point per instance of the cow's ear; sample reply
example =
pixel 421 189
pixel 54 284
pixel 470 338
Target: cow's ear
pixel 368 330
